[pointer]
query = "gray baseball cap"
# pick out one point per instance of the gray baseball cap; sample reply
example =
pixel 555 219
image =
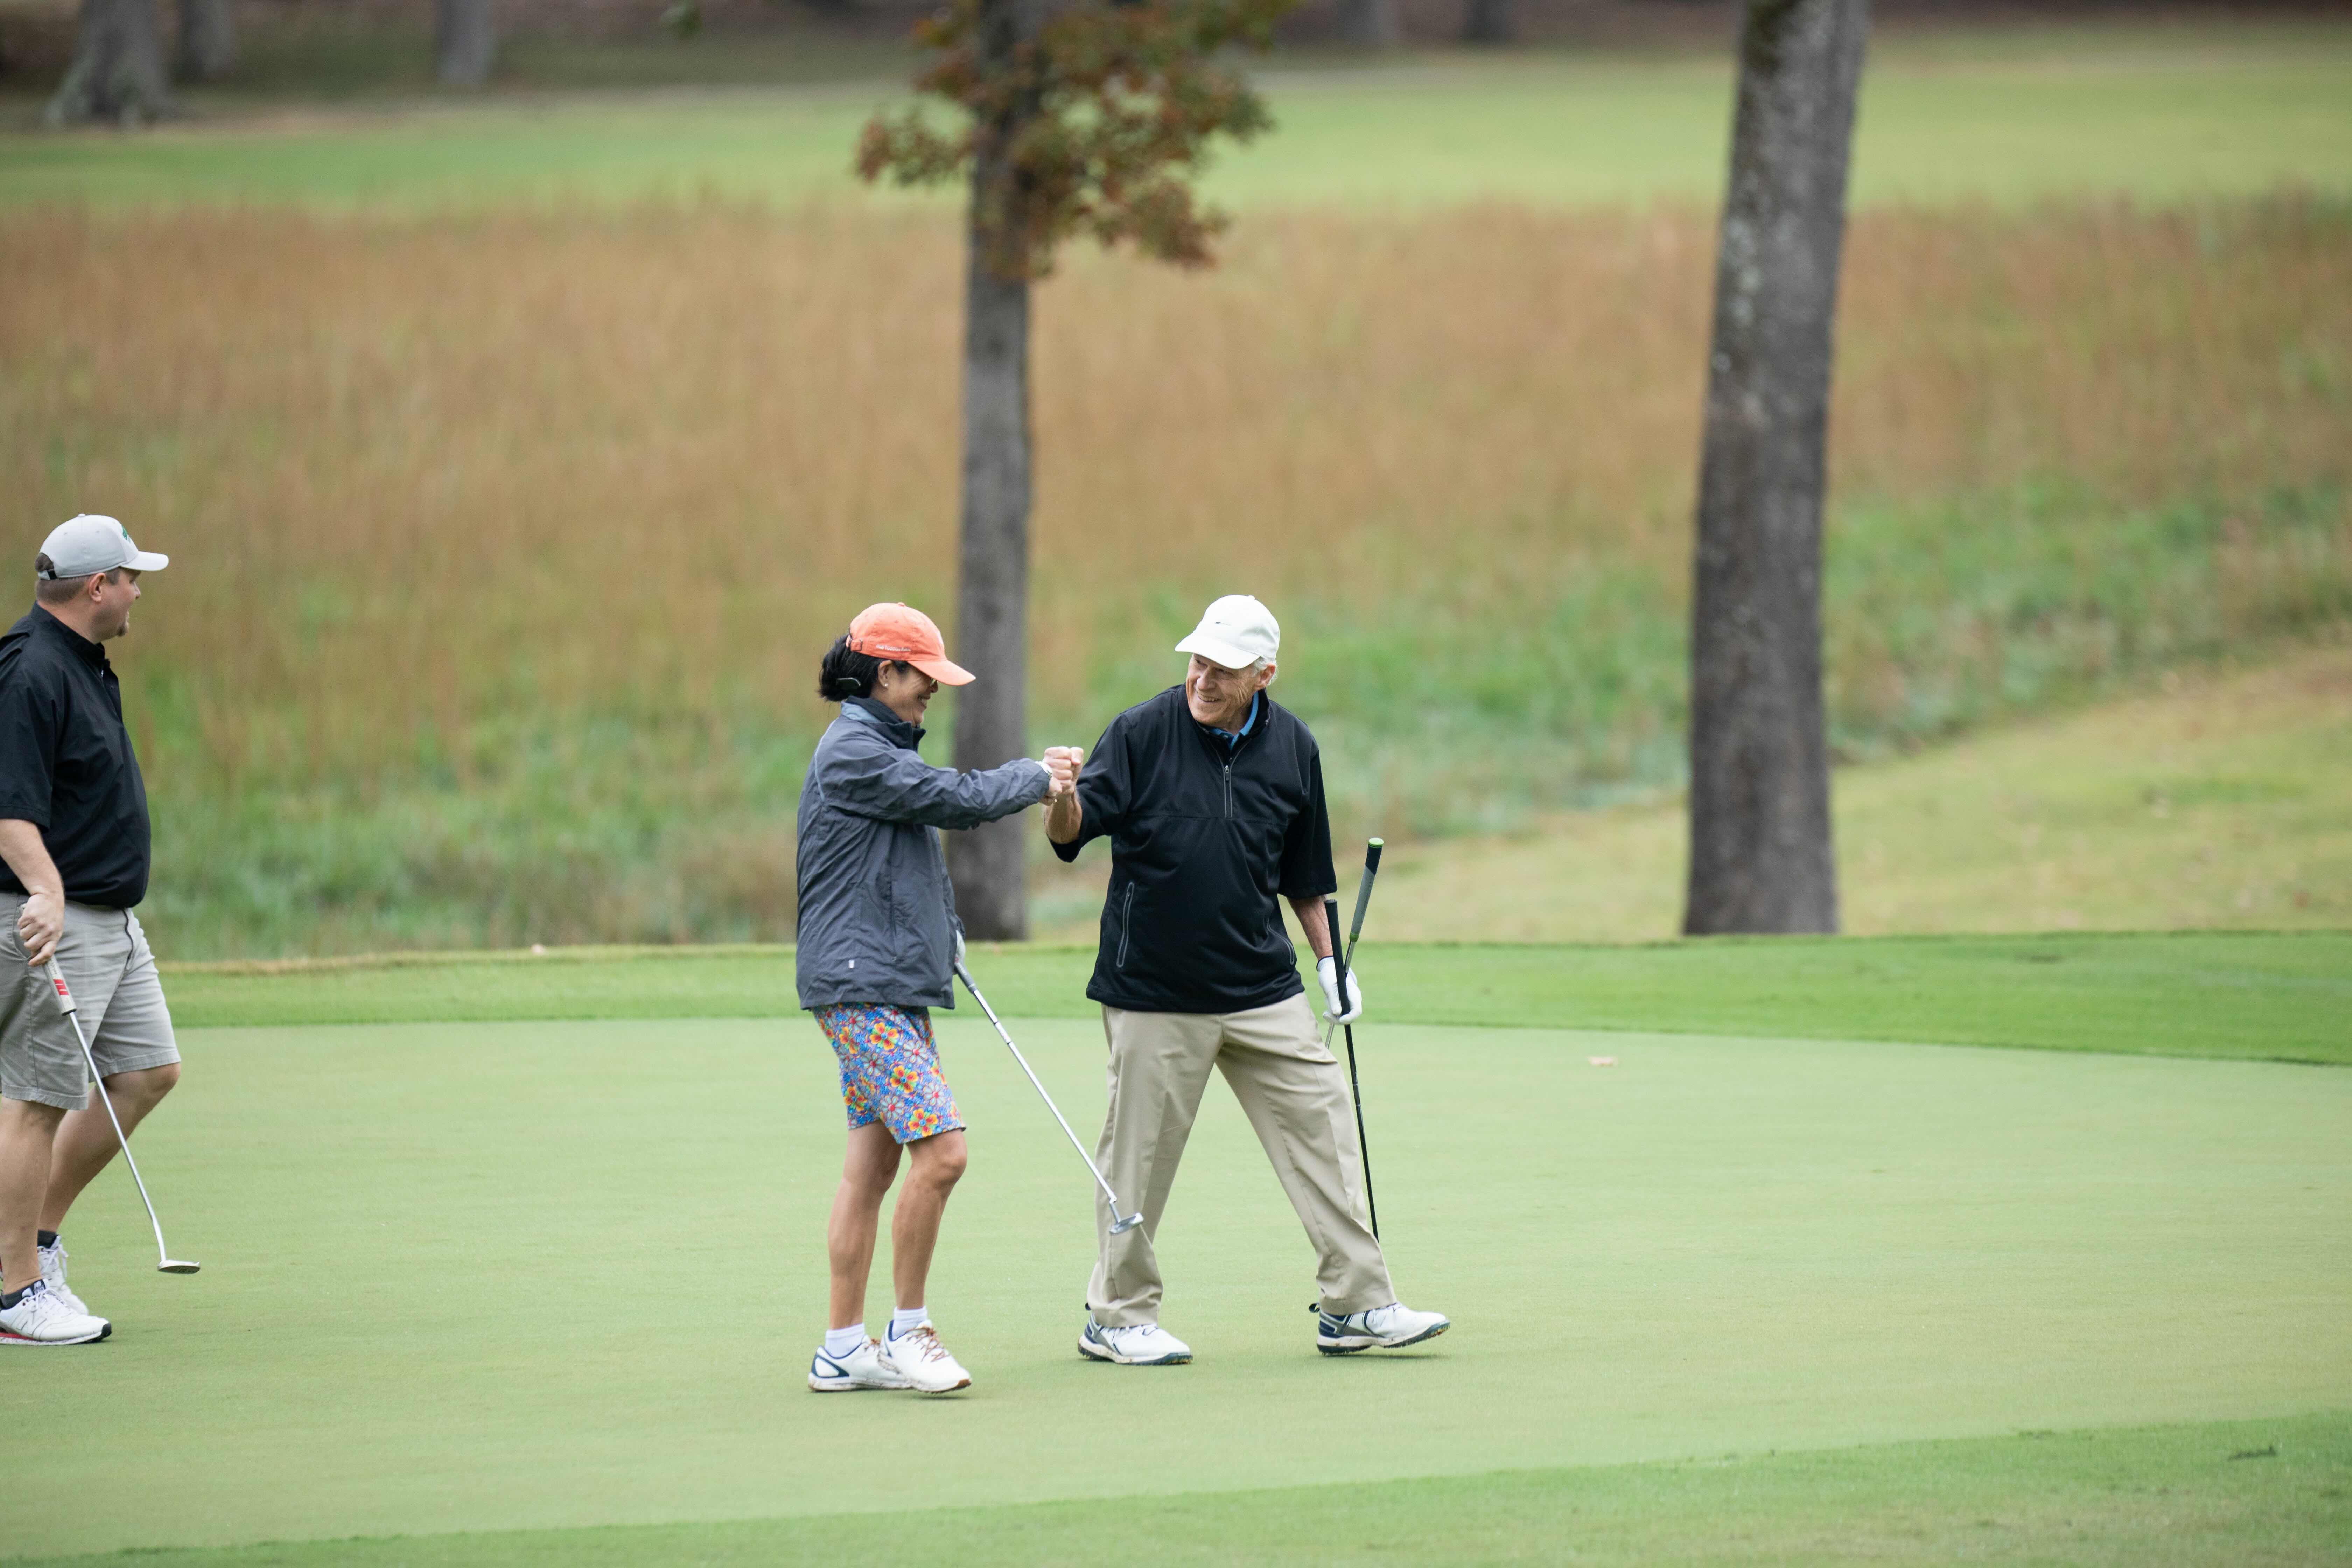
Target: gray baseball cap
pixel 91 543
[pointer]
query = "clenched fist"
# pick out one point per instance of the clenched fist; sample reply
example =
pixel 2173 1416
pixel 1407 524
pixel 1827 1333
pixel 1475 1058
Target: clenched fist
pixel 1063 763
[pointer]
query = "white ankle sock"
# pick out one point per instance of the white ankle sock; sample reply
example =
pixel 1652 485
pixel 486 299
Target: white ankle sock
pixel 839 1342
pixel 905 1320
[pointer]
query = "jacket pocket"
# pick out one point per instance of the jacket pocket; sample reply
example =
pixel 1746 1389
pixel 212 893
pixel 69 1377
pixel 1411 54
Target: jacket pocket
pixel 1126 925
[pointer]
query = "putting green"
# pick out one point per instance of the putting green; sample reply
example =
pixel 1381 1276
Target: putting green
pixel 496 1277
pixel 2269 995
pixel 2270 1492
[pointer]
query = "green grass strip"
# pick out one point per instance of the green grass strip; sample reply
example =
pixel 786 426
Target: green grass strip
pixel 2279 996
pixel 2160 114
pixel 2270 1491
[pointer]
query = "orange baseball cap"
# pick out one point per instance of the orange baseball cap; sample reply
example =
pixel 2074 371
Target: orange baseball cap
pixel 908 635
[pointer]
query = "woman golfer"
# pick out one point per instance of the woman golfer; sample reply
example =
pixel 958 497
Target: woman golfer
pixel 878 933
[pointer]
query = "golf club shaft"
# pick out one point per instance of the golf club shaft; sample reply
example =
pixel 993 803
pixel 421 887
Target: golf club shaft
pixel 965 976
pixel 1355 1090
pixel 73 1016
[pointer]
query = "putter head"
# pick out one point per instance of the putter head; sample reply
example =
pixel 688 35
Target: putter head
pixel 1121 1226
pixel 173 1265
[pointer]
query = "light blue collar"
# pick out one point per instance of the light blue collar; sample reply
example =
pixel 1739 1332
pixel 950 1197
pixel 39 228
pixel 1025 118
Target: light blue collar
pixel 1233 737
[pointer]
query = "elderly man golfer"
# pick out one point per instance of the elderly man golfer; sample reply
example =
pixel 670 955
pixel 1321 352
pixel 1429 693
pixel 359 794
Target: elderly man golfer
pixel 877 931
pixel 1212 797
pixel 73 836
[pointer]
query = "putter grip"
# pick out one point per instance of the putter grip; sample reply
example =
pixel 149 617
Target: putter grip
pixel 1364 890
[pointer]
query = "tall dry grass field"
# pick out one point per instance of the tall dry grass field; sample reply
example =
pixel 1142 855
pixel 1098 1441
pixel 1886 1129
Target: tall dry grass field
pixel 505 546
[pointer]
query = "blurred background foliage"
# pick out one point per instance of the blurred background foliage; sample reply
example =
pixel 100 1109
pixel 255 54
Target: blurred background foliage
pixel 519 460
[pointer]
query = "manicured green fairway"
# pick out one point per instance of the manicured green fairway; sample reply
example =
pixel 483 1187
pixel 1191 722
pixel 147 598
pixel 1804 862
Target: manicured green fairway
pixel 2282 996
pixel 2162 115
pixel 2233 1492
pixel 544 1276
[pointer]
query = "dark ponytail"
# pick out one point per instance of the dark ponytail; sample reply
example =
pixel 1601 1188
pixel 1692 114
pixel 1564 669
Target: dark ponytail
pixel 848 673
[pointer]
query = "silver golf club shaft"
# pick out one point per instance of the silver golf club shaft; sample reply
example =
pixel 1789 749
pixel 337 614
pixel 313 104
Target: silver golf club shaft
pixel 163 1259
pixel 1340 973
pixel 1120 1221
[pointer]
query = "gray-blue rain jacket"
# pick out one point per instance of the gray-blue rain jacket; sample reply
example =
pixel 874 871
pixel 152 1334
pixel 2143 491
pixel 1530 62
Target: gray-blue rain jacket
pixel 877 919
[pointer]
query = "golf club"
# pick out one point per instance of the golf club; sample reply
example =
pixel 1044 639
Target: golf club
pixel 1118 1224
pixel 1341 956
pixel 165 1262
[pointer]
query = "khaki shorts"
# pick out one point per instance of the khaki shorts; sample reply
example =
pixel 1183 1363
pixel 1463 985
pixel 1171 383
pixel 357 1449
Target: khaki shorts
pixel 106 962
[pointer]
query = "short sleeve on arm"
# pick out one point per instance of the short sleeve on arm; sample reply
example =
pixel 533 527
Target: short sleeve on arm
pixel 1307 870
pixel 1106 788
pixel 29 748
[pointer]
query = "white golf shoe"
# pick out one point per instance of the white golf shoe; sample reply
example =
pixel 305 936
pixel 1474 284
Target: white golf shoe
pixel 39 1317
pixel 53 1275
pixel 918 1356
pixel 1135 1344
pixel 1382 1329
pixel 861 1368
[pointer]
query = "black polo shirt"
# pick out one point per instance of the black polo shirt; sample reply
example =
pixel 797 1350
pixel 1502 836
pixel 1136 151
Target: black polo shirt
pixel 1207 837
pixel 66 764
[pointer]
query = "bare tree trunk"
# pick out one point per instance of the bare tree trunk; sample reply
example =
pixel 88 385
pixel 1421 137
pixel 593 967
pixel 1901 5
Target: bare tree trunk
pixel 464 42
pixel 1374 24
pixel 207 39
pixel 988 863
pixel 117 72
pixel 1488 22
pixel 1760 856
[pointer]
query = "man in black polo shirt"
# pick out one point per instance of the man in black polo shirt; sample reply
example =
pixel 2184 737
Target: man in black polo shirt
pixel 73 838
pixel 1212 798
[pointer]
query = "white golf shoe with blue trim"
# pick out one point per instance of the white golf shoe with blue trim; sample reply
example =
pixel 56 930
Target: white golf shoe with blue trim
pixel 1132 1344
pixel 861 1368
pixel 1388 1328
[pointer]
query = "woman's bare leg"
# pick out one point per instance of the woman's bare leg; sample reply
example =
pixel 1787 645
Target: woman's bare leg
pixel 865 1173
pixel 937 1163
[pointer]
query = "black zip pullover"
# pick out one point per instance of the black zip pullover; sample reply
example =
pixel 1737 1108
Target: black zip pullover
pixel 65 762
pixel 1207 838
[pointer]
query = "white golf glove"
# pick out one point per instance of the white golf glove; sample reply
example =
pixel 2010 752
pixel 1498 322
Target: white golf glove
pixel 959 947
pixel 1327 969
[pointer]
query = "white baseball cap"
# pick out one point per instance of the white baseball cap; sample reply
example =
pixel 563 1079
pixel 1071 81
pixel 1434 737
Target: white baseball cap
pixel 1236 632
pixel 91 544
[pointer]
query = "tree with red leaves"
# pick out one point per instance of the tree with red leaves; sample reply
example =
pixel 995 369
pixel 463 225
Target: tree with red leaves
pixel 1074 118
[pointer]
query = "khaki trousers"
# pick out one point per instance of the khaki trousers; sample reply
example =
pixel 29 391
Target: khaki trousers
pixel 1293 1093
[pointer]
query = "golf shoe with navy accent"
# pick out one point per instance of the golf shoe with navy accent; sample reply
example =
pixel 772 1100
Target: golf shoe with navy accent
pixel 861 1368
pixel 1132 1344
pixel 39 1319
pixel 1382 1329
